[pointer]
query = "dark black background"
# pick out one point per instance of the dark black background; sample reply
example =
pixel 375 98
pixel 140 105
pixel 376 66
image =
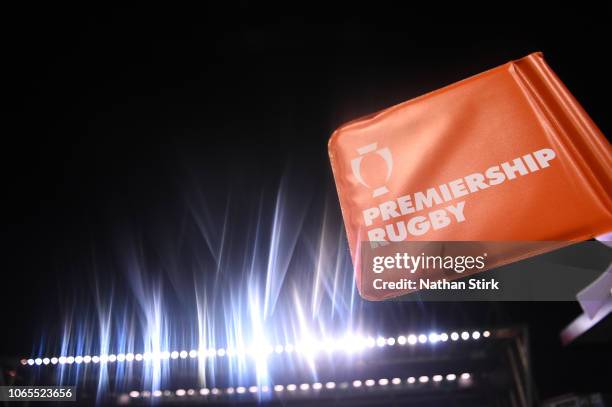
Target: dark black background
pixel 109 111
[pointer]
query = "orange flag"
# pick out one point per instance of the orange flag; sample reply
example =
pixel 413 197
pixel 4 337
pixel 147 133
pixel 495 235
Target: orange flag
pixel 506 155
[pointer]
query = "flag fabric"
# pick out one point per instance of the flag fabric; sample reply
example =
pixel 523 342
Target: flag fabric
pixel 505 155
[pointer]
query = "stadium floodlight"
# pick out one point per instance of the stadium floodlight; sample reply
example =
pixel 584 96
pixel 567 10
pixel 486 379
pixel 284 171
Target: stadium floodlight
pixel 309 347
pixel 328 345
pixel 304 387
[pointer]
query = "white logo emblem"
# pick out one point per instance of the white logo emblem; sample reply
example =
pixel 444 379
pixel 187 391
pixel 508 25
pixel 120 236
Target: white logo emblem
pixel 385 153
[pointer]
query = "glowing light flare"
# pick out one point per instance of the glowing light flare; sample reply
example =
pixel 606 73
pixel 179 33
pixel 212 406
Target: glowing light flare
pixel 307 347
pixel 304 387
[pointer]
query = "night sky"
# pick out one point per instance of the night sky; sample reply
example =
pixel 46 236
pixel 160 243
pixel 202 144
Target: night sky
pixel 113 116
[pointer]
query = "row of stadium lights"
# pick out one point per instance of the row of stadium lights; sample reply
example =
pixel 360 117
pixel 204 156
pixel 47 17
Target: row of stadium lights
pixel 354 344
pixel 279 388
